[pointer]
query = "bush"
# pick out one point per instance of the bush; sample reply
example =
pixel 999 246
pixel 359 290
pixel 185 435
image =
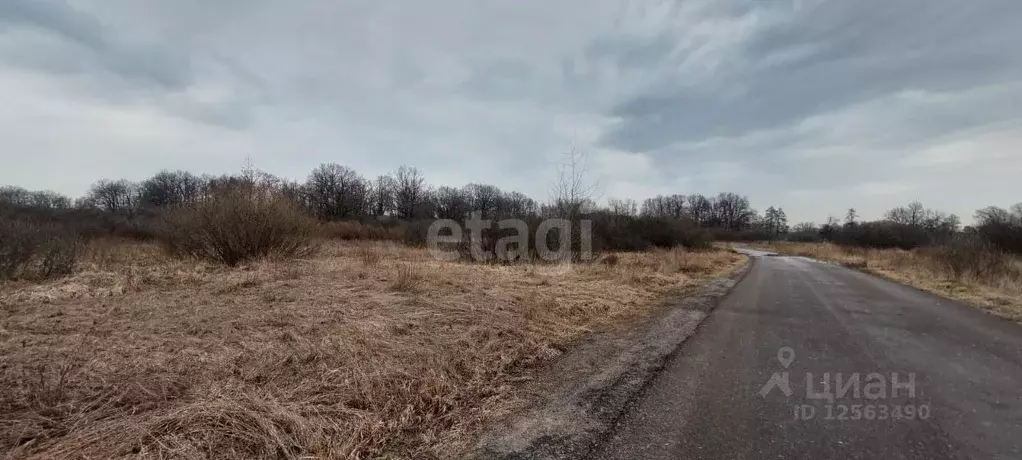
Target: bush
pixel 238 225
pixel 29 249
pixel 969 257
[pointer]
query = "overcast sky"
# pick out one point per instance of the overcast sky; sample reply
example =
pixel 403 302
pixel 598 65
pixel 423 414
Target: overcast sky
pixel 812 105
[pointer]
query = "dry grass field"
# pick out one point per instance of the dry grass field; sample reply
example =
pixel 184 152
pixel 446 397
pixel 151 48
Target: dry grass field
pixel 998 291
pixel 365 350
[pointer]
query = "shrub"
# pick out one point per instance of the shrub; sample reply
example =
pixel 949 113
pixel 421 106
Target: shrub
pixel 238 225
pixel 969 257
pixel 32 250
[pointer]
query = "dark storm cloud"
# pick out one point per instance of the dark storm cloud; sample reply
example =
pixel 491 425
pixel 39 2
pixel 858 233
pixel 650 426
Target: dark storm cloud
pixel 834 54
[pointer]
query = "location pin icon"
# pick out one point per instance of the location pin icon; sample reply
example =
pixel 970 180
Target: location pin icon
pixel 786 356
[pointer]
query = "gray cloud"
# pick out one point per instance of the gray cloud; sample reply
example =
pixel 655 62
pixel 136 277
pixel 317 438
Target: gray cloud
pixel 813 105
pixel 829 56
pixel 87 40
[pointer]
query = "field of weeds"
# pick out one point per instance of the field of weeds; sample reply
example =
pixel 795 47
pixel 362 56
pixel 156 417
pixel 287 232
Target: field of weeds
pixel 365 350
pixel 997 289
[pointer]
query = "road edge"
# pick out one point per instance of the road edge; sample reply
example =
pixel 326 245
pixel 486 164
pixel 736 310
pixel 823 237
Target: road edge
pixel 593 384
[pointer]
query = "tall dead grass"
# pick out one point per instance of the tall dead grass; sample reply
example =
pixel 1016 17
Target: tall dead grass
pixel 145 356
pixel 965 270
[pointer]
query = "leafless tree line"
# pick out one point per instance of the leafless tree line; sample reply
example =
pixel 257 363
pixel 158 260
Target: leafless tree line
pixel 728 211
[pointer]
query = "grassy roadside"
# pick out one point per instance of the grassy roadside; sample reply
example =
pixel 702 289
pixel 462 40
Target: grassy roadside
pixel 367 350
pixel 999 292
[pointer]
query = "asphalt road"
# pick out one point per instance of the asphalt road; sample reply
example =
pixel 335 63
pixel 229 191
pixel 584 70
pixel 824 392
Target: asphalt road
pixel 957 393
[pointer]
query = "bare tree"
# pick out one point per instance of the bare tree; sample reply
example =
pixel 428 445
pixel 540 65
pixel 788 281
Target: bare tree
pixel 625 207
pixel 731 211
pixel 168 188
pixel 17 196
pixel 382 195
pixel 776 221
pixel 336 192
pixel 517 204
pixel 666 207
pixel 484 199
pixel 119 197
pixel 805 228
pixel 699 208
pixel 410 193
pixel 452 203
pixel 573 189
pixel 851 217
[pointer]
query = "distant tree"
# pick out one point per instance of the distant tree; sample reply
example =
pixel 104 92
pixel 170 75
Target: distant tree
pixel 484 199
pixel 804 227
pixel 625 207
pixel 851 217
pixel 452 203
pixel 1001 227
pixel 830 230
pixel 573 191
pixel 38 200
pixel 118 197
pixel 168 188
pixel 517 204
pixel 410 193
pixel 665 207
pixel 699 208
pixel 336 192
pixel 775 221
pixel 1016 214
pixel 731 211
pixel 911 215
pixel 993 215
pixel 381 199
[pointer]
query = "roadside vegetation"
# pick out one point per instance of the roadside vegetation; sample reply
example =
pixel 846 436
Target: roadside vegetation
pixel 361 350
pixel 248 316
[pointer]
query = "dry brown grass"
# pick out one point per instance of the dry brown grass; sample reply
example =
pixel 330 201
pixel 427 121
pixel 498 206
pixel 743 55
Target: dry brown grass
pixel 343 355
pixel 999 292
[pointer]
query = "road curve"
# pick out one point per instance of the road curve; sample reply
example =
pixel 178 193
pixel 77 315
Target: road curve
pixel 798 323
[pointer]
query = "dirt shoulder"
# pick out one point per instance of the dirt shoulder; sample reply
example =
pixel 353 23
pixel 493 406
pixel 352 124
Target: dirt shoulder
pixel 577 399
pixel 364 351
